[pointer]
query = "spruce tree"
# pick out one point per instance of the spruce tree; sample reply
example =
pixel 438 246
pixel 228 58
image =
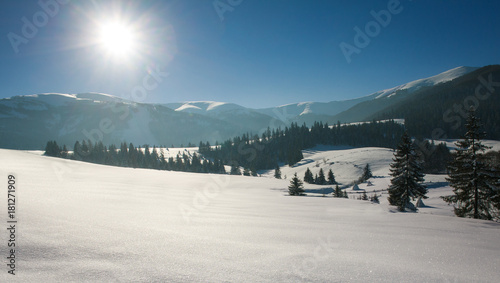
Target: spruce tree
pixel 321 177
pixel 296 187
pixel 52 149
pixel 475 183
pixel 367 174
pixel 364 196
pixel 308 176
pixel 277 172
pixel 338 192
pixel 331 178
pixel 407 176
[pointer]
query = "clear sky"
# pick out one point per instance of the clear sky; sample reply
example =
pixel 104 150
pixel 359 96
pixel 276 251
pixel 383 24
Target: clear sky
pixel 256 53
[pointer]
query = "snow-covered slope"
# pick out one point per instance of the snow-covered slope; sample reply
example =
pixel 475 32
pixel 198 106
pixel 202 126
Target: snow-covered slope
pixel 28 122
pixel 431 81
pixel 310 111
pixel 80 222
pixel 202 107
pixel 400 95
pixel 347 163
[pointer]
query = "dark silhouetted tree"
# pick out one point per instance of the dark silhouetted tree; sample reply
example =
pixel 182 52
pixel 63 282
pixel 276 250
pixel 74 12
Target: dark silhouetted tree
pixel 296 187
pixel 407 176
pixel 474 182
pixel 308 176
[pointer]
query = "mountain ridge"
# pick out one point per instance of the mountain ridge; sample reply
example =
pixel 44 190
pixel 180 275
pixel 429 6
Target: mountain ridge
pixel 29 121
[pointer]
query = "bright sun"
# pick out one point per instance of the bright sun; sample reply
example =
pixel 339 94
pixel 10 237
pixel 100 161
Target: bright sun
pixel 117 39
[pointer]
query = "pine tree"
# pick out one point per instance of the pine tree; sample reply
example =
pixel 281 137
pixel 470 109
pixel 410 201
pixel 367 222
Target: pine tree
pixel 364 196
pixel 321 177
pixel 331 178
pixel 277 172
pixel 407 176
pixel 52 149
pixel 474 182
pixel 308 176
pixel 367 174
pixel 338 192
pixel 246 172
pixel 296 187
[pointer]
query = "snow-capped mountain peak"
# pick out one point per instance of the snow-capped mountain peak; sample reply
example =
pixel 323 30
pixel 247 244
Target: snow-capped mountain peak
pixel 430 81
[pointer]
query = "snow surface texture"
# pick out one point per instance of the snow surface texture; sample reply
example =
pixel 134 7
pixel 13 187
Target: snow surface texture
pixel 87 222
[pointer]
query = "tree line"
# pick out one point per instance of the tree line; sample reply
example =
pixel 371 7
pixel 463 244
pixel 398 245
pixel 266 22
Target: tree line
pixel 135 157
pixel 285 145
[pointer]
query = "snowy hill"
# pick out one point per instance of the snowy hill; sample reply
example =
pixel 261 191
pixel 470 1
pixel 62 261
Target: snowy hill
pixel 431 81
pixel 80 222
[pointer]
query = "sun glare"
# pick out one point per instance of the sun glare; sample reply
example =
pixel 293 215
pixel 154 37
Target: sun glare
pixel 117 39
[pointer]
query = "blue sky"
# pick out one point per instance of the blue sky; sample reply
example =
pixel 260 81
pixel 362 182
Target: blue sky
pixel 260 53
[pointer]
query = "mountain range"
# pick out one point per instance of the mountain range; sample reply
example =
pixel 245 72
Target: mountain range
pixel 29 121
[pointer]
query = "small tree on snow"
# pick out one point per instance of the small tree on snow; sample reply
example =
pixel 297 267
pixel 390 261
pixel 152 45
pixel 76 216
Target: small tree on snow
pixel 308 176
pixel 364 196
pixel 367 173
pixel 407 176
pixel 338 192
pixel 296 187
pixel 321 177
pixel 277 172
pixel 331 178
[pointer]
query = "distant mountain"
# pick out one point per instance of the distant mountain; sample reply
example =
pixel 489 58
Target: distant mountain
pixel 236 115
pixel 440 112
pixel 28 122
pixel 380 100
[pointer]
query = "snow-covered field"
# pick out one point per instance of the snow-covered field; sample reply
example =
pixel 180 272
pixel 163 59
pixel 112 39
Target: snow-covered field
pixel 86 222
